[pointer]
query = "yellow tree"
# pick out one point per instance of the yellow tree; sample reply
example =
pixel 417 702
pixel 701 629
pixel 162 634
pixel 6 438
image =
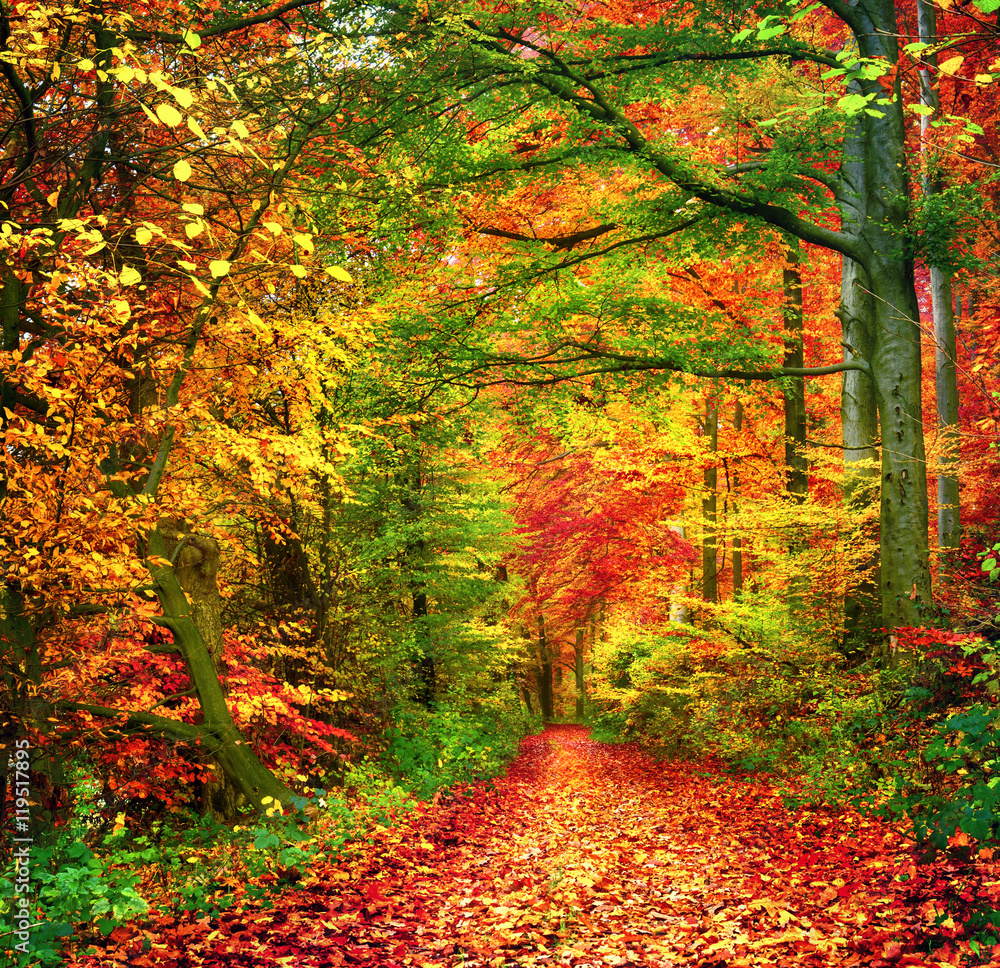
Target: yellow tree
pixel 153 221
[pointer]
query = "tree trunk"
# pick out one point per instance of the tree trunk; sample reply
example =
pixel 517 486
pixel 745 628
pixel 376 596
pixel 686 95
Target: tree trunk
pixel 793 392
pixel 737 538
pixel 942 304
pixel 709 508
pixel 793 388
pixel 416 554
pixel 196 559
pixel 893 330
pixel 858 406
pixel 218 732
pixel 544 674
pixel 946 386
pixel 581 689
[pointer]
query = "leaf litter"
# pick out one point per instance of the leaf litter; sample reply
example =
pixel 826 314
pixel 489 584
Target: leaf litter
pixel 589 854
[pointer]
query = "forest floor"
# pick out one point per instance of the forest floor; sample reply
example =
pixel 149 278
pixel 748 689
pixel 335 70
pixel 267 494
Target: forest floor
pixel 587 854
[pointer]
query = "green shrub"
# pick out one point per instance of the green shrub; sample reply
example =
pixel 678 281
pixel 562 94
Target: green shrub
pixel 73 884
pixel 447 746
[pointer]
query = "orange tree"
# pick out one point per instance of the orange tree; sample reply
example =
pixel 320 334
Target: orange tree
pixel 650 97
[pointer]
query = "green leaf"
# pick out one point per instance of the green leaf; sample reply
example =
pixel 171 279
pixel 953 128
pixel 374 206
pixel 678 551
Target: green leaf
pixel 799 14
pixel 770 32
pixel 852 103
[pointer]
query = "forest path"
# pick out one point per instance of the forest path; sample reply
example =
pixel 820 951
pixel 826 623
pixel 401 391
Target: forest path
pixel 587 854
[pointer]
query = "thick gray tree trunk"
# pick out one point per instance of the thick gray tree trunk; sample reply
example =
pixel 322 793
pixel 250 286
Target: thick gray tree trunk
pixel 887 327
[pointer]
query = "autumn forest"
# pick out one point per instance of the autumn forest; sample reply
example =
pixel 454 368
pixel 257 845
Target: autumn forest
pixel 500 484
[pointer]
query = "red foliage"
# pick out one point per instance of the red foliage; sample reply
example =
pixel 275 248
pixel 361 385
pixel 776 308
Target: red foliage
pixel 590 854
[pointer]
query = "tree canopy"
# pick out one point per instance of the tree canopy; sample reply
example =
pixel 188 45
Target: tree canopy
pixel 379 382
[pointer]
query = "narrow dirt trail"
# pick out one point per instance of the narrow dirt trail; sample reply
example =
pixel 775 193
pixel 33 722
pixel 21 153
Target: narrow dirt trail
pixel 587 854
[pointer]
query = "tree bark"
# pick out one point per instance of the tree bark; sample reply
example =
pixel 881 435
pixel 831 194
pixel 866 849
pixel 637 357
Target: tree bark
pixel 709 507
pixel 942 306
pixel 196 559
pixel 894 333
pixel 793 389
pixel 738 538
pixel 416 554
pixel 581 689
pixel 793 392
pixel 218 732
pixel 858 404
pixel 544 674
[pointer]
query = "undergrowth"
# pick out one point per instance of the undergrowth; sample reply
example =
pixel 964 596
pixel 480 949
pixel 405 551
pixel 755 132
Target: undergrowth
pixel 912 736
pixel 101 869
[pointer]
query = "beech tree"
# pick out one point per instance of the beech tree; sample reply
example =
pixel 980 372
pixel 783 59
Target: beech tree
pixel 150 217
pixel 606 87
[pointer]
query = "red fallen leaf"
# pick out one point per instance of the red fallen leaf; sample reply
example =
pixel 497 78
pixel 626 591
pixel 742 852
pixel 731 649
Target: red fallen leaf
pixel 892 951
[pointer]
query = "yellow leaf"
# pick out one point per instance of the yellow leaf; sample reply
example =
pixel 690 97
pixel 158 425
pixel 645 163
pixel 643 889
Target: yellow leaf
pixel 196 129
pixel 169 115
pixel 182 96
pixel 273 227
pixel 191 39
pixel 121 308
pixel 143 236
pixel 341 275
pixel 951 65
pixel 300 272
pixel 306 241
pixel 86 64
pixel 194 208
pixel 53 199
pixel 193 229
pixel 219 268
pixel 129 276
pixel 983 79
pixel 182 171
pixel 188 266
pixel 240 128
